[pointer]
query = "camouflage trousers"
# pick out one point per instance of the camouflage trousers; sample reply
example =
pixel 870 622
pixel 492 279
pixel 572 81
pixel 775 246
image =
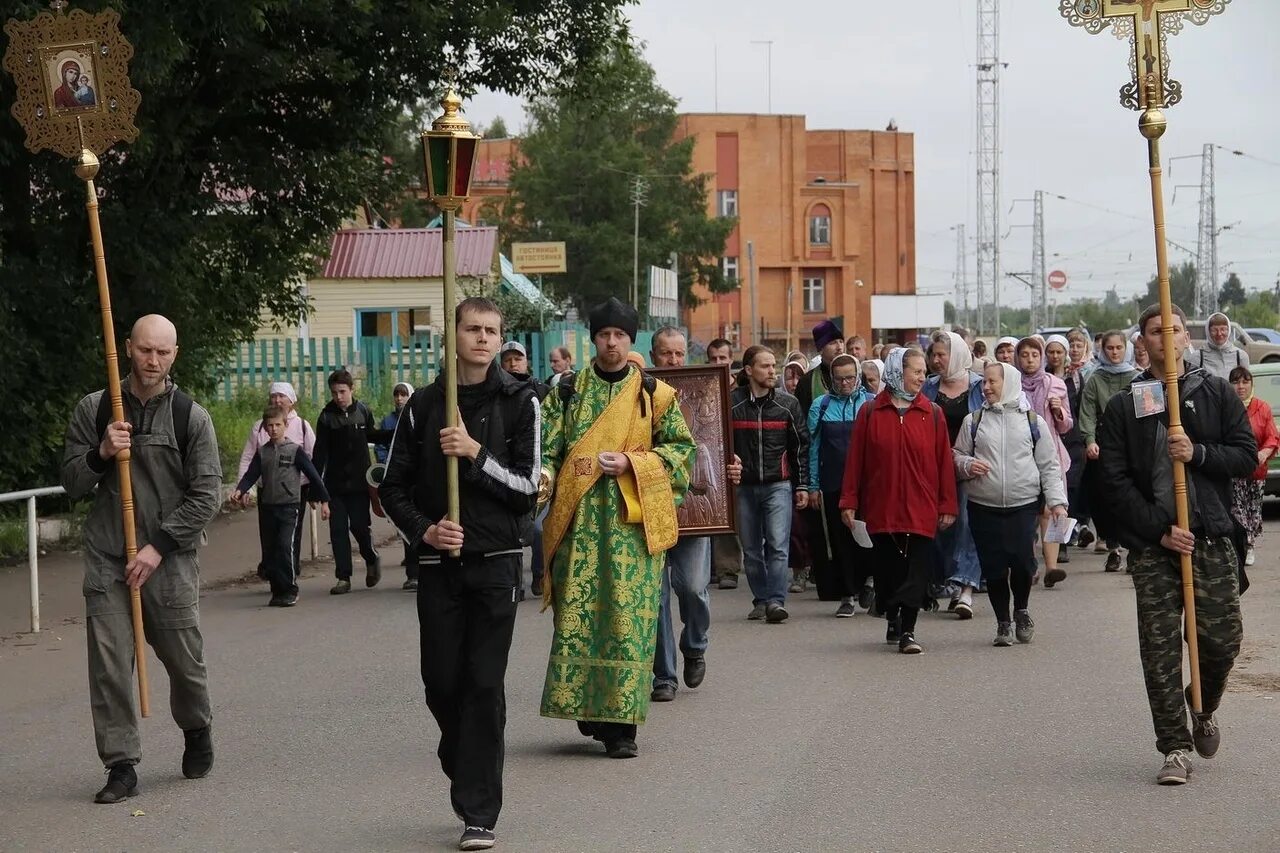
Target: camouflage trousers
pixel 1157 581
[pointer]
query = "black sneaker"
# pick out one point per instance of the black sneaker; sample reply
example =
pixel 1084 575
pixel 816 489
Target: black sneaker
pixel 695 669
pixel 775 613
pixel 891 633
pixel 1054 576
pixel 1113 562
pixel 866 597
pixel 342 587
pixel 410 583
pixel 845 610
pixel 1204 730
pixel 908 646
pixel 623 747
pixel 662 693
pixel 197 758
pixel 1085 538
pixel 477 838
pixel 373 571
pixel 122 783
pixel 275 601
pixel 289 599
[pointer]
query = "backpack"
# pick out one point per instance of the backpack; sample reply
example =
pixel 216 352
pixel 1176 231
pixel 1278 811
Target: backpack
pixel 181 418
pixel 1032 422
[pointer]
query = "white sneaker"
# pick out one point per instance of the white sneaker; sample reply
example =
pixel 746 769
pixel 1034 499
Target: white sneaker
pixel 964 606
pixel 1248 557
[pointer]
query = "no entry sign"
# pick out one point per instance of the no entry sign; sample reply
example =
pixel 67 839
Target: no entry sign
pixel 1057 279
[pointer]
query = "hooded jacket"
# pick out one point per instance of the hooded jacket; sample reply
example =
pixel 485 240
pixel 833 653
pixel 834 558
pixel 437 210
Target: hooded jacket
pixel 497 490
pixel 1218 360
pixel 1138 473
pixel 1024 464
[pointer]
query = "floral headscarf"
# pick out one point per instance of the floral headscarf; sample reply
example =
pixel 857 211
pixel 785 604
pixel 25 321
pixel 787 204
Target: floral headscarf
pixel 893 377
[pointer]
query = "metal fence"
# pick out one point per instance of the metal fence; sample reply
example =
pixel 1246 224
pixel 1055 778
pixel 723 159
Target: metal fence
pixel 33 542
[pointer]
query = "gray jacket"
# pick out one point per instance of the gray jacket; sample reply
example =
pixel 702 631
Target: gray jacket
pixel 173 499
pixel 1021 468
pixel 1219 362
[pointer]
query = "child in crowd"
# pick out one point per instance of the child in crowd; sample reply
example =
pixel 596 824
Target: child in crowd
pixel 400 394
pixel 280 464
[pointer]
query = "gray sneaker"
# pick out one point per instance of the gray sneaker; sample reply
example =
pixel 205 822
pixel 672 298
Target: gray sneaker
pixel 845 610
pixel 1024 629
pixel 1175 770
pixel 775 614
pixel 1204 730
pixel 756 613
pixel 1004 635
pixel 728 582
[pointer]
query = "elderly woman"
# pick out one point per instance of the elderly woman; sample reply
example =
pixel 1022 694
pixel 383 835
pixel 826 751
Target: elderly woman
pixel 958 392
pixel 900 481
pixel 1246 494
pixel 872 369
pixel 1004 349
pixel 1047 395
pixel 297 430
pixel 1007 465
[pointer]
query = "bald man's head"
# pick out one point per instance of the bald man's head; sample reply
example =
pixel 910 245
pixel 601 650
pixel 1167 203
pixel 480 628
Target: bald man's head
pixel 152 346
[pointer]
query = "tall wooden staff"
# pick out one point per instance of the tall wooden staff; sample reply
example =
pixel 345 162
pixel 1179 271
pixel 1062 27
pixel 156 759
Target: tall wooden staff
pixel 74 98
pixel 1148 25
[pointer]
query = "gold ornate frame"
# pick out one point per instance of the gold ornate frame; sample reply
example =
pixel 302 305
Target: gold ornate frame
pixel 709 506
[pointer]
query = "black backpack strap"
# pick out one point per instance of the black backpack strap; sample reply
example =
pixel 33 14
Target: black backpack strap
pixel 182 404
pixel 103 420
pixel 566 389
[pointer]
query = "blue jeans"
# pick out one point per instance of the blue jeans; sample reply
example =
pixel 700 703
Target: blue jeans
pixel 764 525
pixel 959 551
pixel 688 573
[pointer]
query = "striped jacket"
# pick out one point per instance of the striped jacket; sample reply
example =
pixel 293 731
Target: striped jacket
pixel 771 438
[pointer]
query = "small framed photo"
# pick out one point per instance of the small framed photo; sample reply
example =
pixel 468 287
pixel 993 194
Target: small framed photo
pixel 1148 398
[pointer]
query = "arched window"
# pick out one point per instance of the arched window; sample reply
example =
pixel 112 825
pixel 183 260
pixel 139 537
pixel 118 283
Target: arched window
pixel 820 225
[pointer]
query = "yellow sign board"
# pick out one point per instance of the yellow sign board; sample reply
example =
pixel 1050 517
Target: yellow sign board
pixel 538 258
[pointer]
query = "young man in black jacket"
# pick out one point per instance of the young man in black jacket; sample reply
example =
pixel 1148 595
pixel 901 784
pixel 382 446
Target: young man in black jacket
pixel 344 431
pixel 467 603
pixel 1136 452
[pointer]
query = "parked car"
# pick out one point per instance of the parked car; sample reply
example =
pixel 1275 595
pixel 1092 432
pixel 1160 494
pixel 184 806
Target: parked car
pixel 1269 335
pixel 1260 351
pixel 1266 386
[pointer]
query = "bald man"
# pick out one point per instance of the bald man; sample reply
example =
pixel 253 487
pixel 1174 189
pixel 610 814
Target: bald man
pixel 176 475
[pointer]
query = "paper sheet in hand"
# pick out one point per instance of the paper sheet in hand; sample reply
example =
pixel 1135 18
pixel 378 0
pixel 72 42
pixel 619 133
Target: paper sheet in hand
pixel 860 534
pixel 1060 530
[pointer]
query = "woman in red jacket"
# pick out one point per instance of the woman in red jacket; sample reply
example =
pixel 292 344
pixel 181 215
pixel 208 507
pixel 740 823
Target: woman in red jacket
pixel 1246 494
pixel 901 453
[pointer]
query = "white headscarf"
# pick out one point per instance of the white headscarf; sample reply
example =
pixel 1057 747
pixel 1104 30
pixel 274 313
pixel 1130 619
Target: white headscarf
pixel 284 388
pixel 961 361
pixel 1011 397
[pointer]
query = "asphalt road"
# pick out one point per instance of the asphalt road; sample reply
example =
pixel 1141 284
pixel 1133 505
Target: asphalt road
pixel 807 735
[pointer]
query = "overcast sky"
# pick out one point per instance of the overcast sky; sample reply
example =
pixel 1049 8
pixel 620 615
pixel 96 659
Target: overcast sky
pixel 857 64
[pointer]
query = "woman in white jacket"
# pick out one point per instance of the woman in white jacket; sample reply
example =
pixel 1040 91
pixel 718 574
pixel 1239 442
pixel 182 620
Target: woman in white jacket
pixel 1010 462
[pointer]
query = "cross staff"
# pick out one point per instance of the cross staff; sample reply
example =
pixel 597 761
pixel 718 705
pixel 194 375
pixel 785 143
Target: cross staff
pixel 1149 23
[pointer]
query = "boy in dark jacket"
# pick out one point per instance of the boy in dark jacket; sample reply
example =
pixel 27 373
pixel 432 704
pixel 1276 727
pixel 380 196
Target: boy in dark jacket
pixel 400 395
pixel 1135 453
pixel 467 603
pixel 280 464
pixel 344 431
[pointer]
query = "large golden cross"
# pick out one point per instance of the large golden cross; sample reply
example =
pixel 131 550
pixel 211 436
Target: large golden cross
pixel 1148 25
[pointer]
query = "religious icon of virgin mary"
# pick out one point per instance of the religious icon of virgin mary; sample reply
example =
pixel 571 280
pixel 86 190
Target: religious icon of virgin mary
pixel 64 97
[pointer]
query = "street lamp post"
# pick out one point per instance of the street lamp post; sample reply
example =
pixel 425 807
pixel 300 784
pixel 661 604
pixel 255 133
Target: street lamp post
pixel 449 153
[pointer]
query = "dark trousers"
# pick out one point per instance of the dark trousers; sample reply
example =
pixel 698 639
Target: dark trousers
pixel 1005 539
pixel 297 538
pixel 1157 584
pixel 726 555
pixel 850 564
pixel 349 512
pixel 276 526
pixel 903 563
pixel 466 617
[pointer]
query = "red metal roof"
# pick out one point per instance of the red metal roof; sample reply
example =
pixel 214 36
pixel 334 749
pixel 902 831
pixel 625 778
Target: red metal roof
pixel 408 253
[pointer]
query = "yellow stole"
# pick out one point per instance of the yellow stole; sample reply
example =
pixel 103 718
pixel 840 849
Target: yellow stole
pixel 646 488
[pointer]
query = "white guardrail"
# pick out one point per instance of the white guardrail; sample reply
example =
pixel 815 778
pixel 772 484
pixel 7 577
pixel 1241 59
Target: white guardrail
pixel 33 542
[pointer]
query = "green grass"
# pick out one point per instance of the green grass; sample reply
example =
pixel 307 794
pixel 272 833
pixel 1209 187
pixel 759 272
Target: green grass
pixel 232 419
pixel 13 539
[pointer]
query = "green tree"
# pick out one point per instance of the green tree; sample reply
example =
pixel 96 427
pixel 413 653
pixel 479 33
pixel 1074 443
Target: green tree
pixel 1257 311
pixel 1232 293
pixel 497 129
pixel 587 142
pixel 262 124
pixel 1182 287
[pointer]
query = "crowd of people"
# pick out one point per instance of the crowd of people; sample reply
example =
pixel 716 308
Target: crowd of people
pixel 892 478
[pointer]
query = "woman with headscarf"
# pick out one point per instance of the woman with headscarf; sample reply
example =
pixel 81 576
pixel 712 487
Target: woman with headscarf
pixel 1139 356
pixel 958 392
pixel 1047 395
pixel 1114 372
pixel 1219 355
pixel 792 374
pixel 900 453
pixel 1246 493
pixel 1008 465
pixel 1004 349
pixel 1057 354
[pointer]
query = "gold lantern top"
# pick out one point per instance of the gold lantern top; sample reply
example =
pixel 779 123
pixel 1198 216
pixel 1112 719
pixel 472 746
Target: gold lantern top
pixel 449 154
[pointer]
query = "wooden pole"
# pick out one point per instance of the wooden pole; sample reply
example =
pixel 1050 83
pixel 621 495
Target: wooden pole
pixel 86 169
pixel 1152 125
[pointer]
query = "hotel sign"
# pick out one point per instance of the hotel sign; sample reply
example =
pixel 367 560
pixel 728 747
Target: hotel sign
pixel 538 258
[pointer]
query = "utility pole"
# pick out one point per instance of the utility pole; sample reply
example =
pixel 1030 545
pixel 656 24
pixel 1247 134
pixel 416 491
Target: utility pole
pixel 639 187
pixel 962 281
pixel 768 73
pixel 1207 241
pixel 1039 291
pixel 988 156
pixel 755 303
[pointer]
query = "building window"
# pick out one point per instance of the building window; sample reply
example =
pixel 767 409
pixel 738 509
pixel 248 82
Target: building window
pixel 729 267
pixel 820 225
pixel 728 202
pixel 815 294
